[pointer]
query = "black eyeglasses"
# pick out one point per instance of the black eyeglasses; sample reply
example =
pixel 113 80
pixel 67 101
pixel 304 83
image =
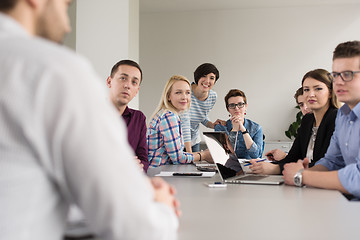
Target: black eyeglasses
pixel 346 76
pixel 234 105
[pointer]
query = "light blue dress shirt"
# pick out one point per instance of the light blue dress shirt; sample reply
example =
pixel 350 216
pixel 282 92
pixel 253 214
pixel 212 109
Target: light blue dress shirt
pixel 343 153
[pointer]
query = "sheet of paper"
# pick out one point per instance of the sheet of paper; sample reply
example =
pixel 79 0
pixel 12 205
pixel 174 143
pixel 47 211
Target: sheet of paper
pixel 170 174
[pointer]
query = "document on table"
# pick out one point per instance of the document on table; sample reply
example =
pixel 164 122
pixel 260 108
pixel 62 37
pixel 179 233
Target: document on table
pixel 186 174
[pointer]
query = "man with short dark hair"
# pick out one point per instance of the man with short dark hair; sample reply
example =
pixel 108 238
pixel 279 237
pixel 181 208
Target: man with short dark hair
pixel 124 83
pixel 300 101
pixel 62 142
pixel 340 167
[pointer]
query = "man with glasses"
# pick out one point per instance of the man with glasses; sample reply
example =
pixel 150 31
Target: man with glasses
pixel 340 168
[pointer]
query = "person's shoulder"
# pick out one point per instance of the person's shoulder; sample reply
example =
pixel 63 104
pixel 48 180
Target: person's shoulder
pixel 307 118
pixel 137 113
pixel 253 124
pixel 51 57
pixel 332 112
pixel 330 116
pixel 219 127
pixel 170 114
pixel 165 114
pixel 168 118
pixel 212 94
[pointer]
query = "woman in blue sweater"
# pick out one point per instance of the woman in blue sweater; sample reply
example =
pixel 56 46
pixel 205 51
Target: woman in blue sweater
pixel 245 135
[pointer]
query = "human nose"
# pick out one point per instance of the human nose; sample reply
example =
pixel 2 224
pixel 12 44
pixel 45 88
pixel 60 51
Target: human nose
pixel 183 96
pixel 127 84
pixel 338 80
pixel 311 92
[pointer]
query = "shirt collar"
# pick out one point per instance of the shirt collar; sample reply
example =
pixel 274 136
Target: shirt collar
pixel 127 111
pixel 345 110
pixel 10 25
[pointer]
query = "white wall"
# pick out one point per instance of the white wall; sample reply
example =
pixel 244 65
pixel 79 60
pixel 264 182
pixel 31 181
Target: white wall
pixel 264 52
pixel 105 32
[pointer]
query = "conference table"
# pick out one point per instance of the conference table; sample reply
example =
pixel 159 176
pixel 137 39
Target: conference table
pixel 251 211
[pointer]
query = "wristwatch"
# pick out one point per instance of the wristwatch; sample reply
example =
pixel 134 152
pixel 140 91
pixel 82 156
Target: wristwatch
pixel 298 178
pixel 244 132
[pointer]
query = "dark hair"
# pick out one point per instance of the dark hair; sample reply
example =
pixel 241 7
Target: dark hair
pixel 234 93
pixel 125 62
pixel 6 5
pixel 322 76
pixel 298 93
pixel 205 69
pixel 347 50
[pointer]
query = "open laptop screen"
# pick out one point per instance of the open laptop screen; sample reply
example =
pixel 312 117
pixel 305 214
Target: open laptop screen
pixel 223 154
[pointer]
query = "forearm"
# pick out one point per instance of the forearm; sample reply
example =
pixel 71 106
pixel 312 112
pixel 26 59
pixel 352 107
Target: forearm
pixel 181 157
pixel 319 167
pixel 248 140
pixel 188 147
pixel 323 179
pixel 210 124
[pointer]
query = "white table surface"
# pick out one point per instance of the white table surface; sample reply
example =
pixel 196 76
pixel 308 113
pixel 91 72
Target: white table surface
pixel 246 211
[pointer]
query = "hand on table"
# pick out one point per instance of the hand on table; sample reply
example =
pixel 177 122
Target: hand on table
pixel 275 155
pixel 165 193
pixel 291 169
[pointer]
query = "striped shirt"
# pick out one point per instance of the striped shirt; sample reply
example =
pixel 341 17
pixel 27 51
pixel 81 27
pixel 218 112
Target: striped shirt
pixel 198 113
pixel 164 138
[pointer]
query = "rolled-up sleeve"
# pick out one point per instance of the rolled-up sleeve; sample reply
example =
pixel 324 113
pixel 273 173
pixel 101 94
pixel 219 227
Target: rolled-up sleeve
pixel 349 177
pixel 255 150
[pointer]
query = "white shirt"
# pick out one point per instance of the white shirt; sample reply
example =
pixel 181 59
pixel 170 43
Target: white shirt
pixel 60 143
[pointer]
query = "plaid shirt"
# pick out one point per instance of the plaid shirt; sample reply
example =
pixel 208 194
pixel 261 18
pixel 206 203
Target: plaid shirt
pixel 165 143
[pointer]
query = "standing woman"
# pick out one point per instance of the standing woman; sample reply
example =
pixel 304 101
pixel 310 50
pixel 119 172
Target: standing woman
pixel 245 135
pixel 203 99
pixel 164 136
pixel 316 128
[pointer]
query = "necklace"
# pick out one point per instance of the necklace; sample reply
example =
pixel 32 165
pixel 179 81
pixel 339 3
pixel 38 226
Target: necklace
pixel 313 136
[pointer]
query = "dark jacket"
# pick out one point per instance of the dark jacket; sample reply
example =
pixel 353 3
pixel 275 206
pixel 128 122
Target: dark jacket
pixel 299 148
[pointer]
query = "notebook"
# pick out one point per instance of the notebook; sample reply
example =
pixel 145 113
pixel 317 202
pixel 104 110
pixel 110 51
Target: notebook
pixel 228 164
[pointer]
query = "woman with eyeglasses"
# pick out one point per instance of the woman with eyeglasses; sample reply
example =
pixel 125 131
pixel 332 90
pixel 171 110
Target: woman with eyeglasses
pixel 316 129
pixel 245 135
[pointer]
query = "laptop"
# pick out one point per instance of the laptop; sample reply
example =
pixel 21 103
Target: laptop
pixel 228 164
pixel 204 164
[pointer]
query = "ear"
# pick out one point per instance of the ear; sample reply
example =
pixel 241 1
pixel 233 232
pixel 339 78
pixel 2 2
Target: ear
pixel 108 82
pixel 35 3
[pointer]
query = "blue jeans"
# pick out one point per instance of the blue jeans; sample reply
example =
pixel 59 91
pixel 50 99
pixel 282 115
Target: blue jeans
pixel 196 147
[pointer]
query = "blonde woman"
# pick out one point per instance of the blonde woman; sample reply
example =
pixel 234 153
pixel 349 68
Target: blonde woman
pixel 164 136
